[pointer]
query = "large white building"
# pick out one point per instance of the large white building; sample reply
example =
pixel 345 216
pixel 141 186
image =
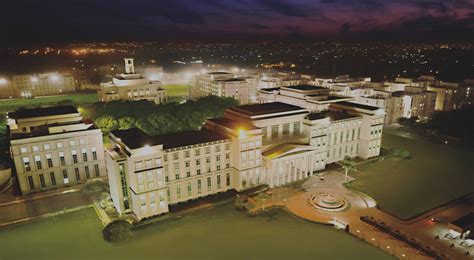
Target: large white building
pixel 225 84
pixel 132 86
pixel 273 143
pixel 53 147
pixel 34 85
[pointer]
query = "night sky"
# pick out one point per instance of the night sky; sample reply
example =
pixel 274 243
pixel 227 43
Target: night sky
pixel 56 21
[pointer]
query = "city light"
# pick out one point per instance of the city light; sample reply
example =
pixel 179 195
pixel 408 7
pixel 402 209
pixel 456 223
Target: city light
pixel 3 81
pixel 34 79
pixel 54 78
pixel 242 133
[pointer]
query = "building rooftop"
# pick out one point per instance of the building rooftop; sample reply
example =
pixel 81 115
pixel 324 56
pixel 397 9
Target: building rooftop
pixel 43 111
pixel 305 87
pixel 267 108
pixel 233 124
pixel 332 115
pixel 269 89
pixel 233 79
pixel 218 73
pixel 357 105
pixel 135 138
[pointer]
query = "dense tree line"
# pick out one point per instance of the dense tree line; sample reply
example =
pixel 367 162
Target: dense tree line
pixel 458 124
pixel 156 119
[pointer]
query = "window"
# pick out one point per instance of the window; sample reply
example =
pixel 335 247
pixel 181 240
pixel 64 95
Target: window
pixel 274 131
pixel 31 183
pixel 227 146
pixel 96 170
pixel 227 179
pixel 49 160
pixel 141 184
pixel 187 164
pixel 26 164
pixel 42 181
pixel 176 171
pixel 227 156
pixel 94 153
pixel 23 150
pixel 199 186
pixel 198 171
pixel 72 142
pixel 59 145
pixel 207 150
pixel 138 165
pixel 243 146
pixel 52 178
pixel 197 152
pixel 149 180
pixel 39 166
pixel 286 129
pixel 78 176
pixel 74 156
pixel 264 132
pixel 178 191
pixel 61 158
pixel 175 156
pixel 46 146
pixel 35 148
pixel 353 134
pixel 198 162
pixel 86 171
pixel 218 158
pixel 217 148
pixel 208 183
pixel 296 128
pixel 65 177
pixel 158 161
pixel 84 155
pixel 152 201
pixel 186 153
pixel 81 141
pixel 189 188
pixel 148 164
pixel 143 202
pixel 218 181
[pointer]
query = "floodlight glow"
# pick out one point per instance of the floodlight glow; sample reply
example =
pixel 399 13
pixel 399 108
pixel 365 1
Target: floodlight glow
pixel 54 77
pixel 34 79
pixel 3 81
pixel 242 133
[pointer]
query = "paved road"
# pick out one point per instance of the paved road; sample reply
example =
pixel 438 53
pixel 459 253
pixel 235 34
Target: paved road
pixel 39 205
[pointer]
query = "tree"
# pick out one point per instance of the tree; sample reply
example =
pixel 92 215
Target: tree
pixel 116 231
pixel 348 165
pixel 106 123
pixel 126 123
pixel 402 153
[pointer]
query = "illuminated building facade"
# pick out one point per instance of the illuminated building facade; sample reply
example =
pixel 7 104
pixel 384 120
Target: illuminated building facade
pixel 53 147
pixel 34 85
pixel 132 86
pixel 225 84
pixel 251 145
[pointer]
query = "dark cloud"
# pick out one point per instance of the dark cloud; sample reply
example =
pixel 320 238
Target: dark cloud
pixel 287 8
pixel 259 26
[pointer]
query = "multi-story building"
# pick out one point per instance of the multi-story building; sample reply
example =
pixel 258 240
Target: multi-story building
pixel 34 85
pixel 272 143
pixel 132 86
pixel 450 95
pixel 310 97
pixel 52 147
pixel 224 84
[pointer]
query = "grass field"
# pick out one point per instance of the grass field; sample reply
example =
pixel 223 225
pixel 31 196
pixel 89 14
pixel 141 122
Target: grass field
pixel 177 89
pixel 78 99
pixel 220 233
pixel 435 175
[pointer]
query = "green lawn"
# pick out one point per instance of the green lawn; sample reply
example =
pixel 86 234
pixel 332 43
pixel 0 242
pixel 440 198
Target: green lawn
pixel 435 175
pixel 78 99
pixel 221 233
pixel 177 89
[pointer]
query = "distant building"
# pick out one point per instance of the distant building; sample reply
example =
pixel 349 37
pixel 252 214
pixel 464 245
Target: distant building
pixel 272 143
pixel 225 84
pixel 53 147
pixel 450 95
pixel 35 85
pixel 132 86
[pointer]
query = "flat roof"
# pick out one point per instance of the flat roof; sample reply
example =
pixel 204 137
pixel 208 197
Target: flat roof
pixel 357 105
pixel 232 79
pixel 269 89
pixel 135 138
pixel 43 111
pixel 218 73
pixel 465 222
pixel 266 108
pixel 305 87
pixel 332 115
pixel 232 123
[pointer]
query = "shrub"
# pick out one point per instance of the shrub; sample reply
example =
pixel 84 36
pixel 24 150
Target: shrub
pixel 117 231
pixel 402 153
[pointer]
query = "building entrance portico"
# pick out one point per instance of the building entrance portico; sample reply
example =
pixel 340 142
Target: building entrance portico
pixel 288 163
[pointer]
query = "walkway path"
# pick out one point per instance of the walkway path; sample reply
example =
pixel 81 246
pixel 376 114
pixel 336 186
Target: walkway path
pixel 295 199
